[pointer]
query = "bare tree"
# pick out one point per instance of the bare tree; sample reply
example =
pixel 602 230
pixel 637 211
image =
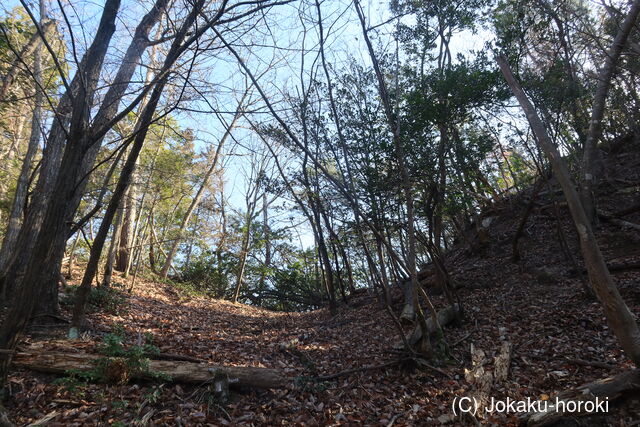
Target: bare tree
pixel 424 344
pixel 590 155
pixel 20 197
pixel 213 164
pixel 622 322
pixel 54 219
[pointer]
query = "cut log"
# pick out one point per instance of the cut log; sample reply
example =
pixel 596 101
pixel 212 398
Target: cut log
pixel 481 379
pixel 4 418
pixel 445 316
pixel 183 372
pixel 606 389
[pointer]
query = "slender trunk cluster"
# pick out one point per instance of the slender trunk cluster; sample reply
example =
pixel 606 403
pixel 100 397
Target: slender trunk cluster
pixel 590 160
pixel 621 320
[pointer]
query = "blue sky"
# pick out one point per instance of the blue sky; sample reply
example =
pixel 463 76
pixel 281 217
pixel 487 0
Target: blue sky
pixel 221 77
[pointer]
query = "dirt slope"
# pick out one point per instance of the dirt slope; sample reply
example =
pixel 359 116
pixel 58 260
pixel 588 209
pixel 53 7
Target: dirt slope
pixel 537 305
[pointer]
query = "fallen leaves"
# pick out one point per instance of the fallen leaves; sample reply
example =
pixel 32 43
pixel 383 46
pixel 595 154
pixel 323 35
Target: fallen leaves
pixel 554 332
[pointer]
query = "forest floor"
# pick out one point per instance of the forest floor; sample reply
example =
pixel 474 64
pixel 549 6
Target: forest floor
pixel 559 336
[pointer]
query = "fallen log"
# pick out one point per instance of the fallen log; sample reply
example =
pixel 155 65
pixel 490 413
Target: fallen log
pixel 624 266
pixel 606 389
pixel 182 372
pixel 620 222
pixel 445 316
pixel 172 356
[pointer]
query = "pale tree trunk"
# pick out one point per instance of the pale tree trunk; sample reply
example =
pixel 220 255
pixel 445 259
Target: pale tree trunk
pixel 244 250
pixel 19 199
pixel 10 155
pixel 126 238
pixel 19 124
pixel 222 242
pixel 194 231
pixel 126 174
pixel 153 239
pixel 72 257
pixel 590 155
pixel 111 255
pixel 267 238
pixel 251 201
pixel 131 217
pixel 196 199
pixel 143 197
pixel 137 254
pixel 620 319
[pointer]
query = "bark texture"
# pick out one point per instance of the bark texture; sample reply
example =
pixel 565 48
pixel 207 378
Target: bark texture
pixel 179 371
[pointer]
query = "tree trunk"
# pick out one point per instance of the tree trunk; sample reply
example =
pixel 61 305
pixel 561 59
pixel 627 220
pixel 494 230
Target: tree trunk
pixel 267 240
pixel 442 318
pixel 20 197
pixel 590 155
pixel 111 256
pixel 145 120
pixel 126 238
pixel 424 345
pixel 620 319
pixel 244 251
pixel 324 258
pixel 51 163
pixel 33 45
pixel 72 257
pixel 55 218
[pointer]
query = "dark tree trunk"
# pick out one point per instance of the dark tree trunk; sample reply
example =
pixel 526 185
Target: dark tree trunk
pixel 55 218
pixel 50 166
pixel 125 241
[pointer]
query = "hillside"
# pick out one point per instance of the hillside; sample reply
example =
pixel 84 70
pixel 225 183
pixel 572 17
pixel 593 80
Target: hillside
pixel 559 337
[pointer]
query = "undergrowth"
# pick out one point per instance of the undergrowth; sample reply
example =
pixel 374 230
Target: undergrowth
pixel 118 364
pixel 111 299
